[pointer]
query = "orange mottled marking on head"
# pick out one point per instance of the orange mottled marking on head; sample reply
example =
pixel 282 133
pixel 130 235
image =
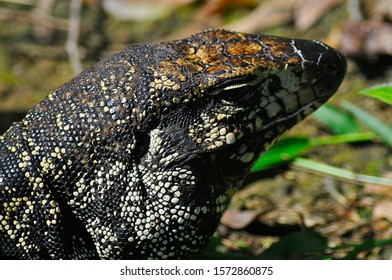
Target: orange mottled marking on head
pixel 220 54
pixel 244 47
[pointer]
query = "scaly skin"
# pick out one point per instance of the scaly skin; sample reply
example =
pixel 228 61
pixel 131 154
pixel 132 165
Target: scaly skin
pixel 138 156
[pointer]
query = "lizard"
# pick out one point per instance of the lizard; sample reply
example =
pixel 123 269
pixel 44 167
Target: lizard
pixel 138 156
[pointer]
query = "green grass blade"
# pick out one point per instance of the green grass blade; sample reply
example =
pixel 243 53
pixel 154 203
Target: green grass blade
pixel 382 92
pixel 367 245
pixel 357 248
pixel 343 138
pixel 292 147
pixel 383 130
pixel 286 149
pixel 338 121
pixel 344 175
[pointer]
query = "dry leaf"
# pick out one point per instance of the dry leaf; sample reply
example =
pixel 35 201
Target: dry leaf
pixel 312 11
pixel 383 209
pixel 139 10
pixel 237 219
pixel 268 14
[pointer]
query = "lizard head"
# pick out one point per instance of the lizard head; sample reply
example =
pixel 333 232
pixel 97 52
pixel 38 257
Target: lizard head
pixel 215 101
pixel 236 93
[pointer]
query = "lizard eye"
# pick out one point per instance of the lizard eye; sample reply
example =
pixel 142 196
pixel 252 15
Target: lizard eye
pixel 237 93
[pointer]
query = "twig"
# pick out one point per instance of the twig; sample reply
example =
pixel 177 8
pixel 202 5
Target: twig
pixel 73 35
pixel 354 10
pixel 42 24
